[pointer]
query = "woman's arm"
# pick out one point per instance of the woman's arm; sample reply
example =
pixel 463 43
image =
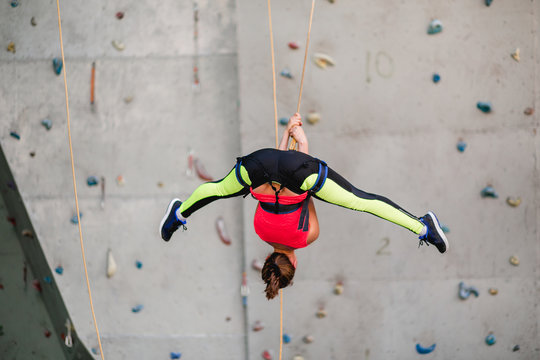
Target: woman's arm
pixel 294 130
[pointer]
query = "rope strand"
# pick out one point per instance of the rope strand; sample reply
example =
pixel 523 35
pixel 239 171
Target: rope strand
pixel 74 181
pixel 273 68
pixel 293 142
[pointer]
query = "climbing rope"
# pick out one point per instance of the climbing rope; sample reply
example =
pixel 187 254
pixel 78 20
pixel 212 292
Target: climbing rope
pixel 293 142
pixel 74 181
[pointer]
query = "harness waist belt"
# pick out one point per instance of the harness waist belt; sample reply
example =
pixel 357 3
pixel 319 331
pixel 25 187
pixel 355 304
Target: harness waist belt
pixel 282 209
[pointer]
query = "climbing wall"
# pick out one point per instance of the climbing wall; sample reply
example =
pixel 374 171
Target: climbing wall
pixel 388 128
pixel 176 81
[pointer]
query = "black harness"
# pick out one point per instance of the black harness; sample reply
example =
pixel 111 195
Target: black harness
pixel 278 208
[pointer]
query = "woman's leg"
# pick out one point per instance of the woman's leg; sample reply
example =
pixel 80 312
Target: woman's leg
pixel 337 190
pixel 227 187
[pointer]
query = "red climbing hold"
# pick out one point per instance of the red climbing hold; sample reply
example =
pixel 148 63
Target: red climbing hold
pixel 1 287
pixel 201 170
pixel 37 285
pixel 266 355
pixel 222 231
pixel 120 15
pixel 293 45
pixel 47 333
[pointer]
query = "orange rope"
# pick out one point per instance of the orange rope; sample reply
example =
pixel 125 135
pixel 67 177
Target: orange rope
pixel 293 142
pixel 74 181
pixel 280 322
pixel 273 68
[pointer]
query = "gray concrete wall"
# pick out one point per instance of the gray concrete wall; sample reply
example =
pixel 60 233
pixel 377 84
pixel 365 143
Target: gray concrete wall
pixel 385 126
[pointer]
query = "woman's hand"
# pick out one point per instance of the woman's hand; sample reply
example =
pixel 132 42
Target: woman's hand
pixel 294 130
pixel 295 120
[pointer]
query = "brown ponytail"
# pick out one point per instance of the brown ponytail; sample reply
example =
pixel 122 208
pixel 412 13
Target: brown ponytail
pixel 277 273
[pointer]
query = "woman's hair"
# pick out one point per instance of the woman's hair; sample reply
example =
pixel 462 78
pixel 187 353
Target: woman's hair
pixel 277 273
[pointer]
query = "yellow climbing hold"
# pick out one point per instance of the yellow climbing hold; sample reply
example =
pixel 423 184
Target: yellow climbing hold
pixel 11 47
pixel 514 260
pixel 493 291
pixel 313 118
pixel 323 60
pixel 513 202
pixel 111 264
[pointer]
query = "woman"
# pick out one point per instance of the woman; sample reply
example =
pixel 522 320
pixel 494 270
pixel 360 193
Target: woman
pixel 284 182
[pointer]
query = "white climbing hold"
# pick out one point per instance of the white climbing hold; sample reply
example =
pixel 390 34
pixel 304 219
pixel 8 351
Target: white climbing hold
pixel 323 60
pixel 118 45
pixel 515 55
pixel 111 264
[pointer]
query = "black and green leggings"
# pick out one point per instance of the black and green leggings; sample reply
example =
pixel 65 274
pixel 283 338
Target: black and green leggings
pixel 299 173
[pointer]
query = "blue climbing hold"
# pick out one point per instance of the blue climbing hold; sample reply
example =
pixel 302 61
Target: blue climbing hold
pixel 461 146
pixel 445 228
pixel 95 351
pixel 74 219
pixel 466 291
pixel 425 350
pixel 436 78
pixel 489 191
pixel 138 264
pixel 286 338
pixel 14 3
pixel 435 27
pixel 176 355
pixel 488 2
pixel 286 73
pixel 92 181
pixel 59 270
pixel 490 339
pixel 47 279
pixel 283 121
pixel 137 308
pixel 57 65
pixel 15 135
pixel 484 106
pixel 47 123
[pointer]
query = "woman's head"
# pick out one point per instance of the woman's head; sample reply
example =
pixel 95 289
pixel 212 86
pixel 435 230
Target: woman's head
pixel 277 273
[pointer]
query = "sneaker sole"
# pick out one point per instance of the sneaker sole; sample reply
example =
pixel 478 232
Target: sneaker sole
pixel 439 230
pixel 166 216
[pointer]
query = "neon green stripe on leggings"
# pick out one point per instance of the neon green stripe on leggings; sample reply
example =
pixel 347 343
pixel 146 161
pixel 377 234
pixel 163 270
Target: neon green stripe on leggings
pixel 335 194
pixel 229 185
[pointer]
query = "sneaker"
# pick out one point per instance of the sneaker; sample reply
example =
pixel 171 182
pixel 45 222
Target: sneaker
pixel 170 222
pixel 434 234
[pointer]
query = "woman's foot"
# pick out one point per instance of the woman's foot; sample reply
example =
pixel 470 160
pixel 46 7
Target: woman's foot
pixel 170 222
pixel 434 234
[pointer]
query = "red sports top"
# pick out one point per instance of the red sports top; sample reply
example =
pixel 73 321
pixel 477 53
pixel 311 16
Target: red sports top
pixel 280 228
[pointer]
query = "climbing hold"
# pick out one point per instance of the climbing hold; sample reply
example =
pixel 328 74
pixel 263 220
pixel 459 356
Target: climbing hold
pixel 27 233
pixel 111 264
pixel 445 228
pixel 323 60
pixel 33 21
pixel 489 191
pixel 484 106
pixel 118 45
pixel 256 264
pixel 338 289
pixel 36 284
pixel 461 145
pixel 74 219
pixel 47 333
pixel 59 270
pixel 32 153
pixel 528 111
pixel 514 260
pixel 14 3
pixel 286 73
pixel 201 170
pixel 137 308
pixel 175 355
pixel 47 279
pixel 1 330
pixel 244 289
pixel 283 121
pixel 466 291
pixel 436 78
pixel 490 339
pixel 313 117
pixel 258 326
pixel 57 65
pixel 222 231
pixel 516 348
pixel 15 135
pixel 1 286
pixel 138 264
pixel 488 2
pixel 493 291
pixel 513 202
pixel 331 1
pixel 298 357
pixel 47 123
pixel 293 45
pixel 435 27
pixel 425 350
pixel 95 351
pixel 11 220
pixel 120 15
pixel 228 318
pixel 515 55
pixel 321 313
pixel 120 180
pixel 160 184
pixel 308 339
pixel 92 181
pixel 128 99
pixel 286 338
pixel 11 47
pixel 267 355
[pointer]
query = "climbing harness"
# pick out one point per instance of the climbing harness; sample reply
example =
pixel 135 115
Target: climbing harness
pixel 75 182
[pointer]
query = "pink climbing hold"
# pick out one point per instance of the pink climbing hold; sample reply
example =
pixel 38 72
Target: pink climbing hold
pixel 222 231
pixel 201 170
pixel 293 45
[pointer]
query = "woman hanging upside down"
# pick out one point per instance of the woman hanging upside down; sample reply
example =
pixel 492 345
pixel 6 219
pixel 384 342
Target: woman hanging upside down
pixel 283 181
